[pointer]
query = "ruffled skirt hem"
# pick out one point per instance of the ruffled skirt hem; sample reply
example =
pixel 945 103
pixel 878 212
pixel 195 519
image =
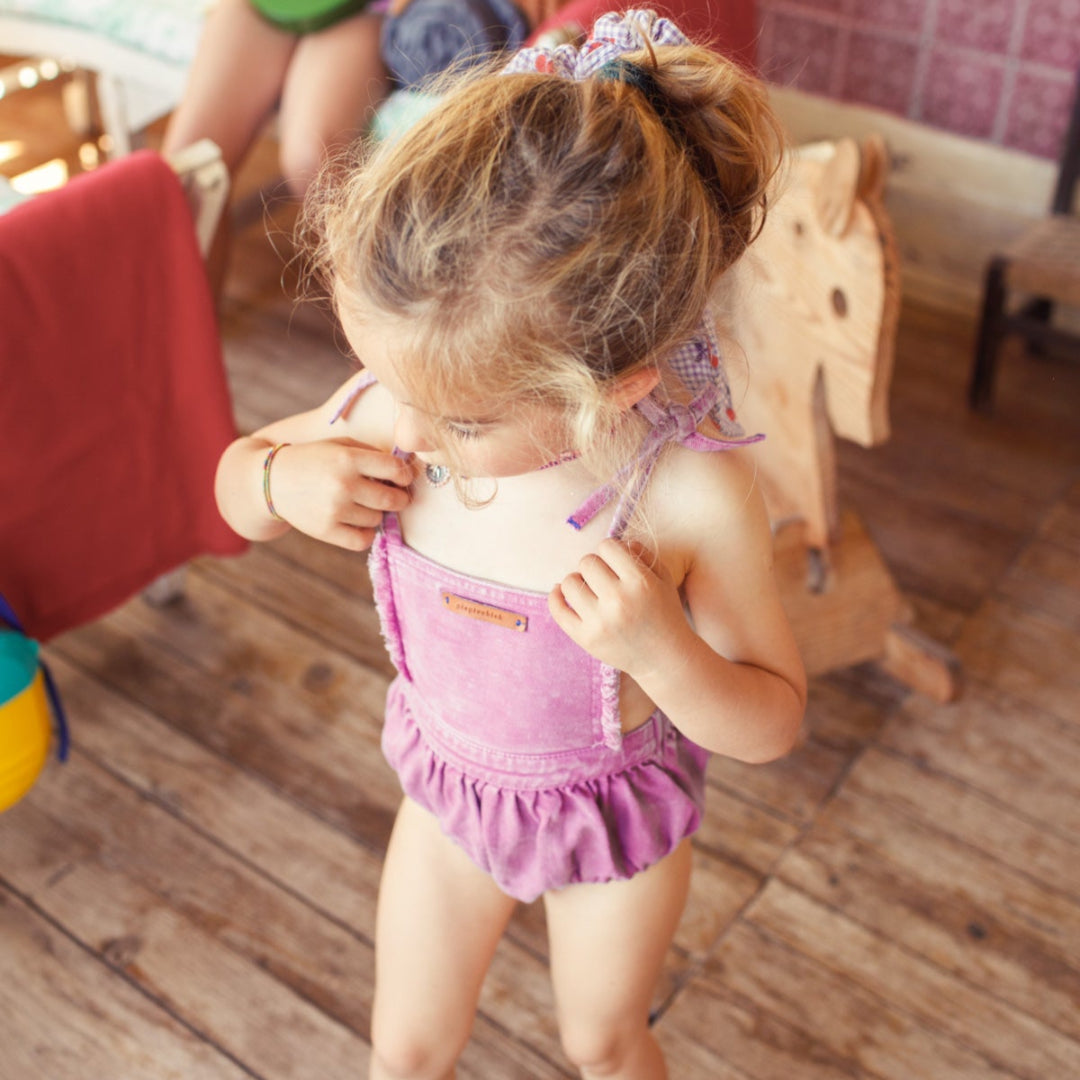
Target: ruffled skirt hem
pixel 590 829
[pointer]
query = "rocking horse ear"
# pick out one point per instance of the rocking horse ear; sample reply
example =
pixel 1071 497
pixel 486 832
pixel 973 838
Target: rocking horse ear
pixel 834 201
pixel 874 169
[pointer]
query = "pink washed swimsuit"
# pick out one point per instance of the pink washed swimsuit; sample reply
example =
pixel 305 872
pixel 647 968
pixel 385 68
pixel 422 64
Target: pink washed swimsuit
pixel 509 733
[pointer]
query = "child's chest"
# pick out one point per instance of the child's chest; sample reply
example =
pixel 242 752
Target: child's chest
pixel 517 534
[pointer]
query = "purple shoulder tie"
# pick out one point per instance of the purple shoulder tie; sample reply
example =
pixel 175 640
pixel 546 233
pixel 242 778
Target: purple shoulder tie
pixel 672 422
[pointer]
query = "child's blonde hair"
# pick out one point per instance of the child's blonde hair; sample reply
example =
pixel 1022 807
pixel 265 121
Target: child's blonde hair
pixel 547 236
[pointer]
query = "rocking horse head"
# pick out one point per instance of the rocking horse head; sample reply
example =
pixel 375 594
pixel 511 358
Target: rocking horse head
pixel 818 297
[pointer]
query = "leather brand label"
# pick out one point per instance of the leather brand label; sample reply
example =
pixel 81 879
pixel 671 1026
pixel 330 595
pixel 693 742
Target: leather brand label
pixel 461 605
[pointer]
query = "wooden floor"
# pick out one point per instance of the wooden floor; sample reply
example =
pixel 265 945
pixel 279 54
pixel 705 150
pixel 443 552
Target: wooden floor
pixel 192 895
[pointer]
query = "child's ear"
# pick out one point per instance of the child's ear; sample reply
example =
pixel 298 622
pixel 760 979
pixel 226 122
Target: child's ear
pixel 630 389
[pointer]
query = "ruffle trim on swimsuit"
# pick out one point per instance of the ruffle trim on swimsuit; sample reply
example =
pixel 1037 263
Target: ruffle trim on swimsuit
pixel 597 829
pixel 610 720
pixel 383 594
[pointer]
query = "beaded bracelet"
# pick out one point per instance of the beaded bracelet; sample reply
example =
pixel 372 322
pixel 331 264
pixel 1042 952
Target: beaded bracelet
pixel 266 479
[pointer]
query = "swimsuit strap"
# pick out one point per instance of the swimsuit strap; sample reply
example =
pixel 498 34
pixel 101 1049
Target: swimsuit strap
pixel 365 380
pixel 669 422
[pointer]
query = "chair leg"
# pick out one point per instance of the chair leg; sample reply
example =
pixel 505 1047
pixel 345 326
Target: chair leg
pixel 981 390
pixel 1039 310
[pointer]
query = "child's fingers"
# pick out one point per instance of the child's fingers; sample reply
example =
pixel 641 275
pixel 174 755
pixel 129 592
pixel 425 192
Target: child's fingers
pixel 627 558
pixel 350 537
pixel 379 495
pixel 578 592
pixel 597 573
pixel 359 516
pixel 566 618
pixel 379 465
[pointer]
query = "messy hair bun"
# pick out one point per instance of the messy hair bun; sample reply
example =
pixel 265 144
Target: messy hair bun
pixel 549 235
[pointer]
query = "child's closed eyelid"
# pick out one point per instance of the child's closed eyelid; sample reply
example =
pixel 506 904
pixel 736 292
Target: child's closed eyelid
pixel 462 431
pixel 466 433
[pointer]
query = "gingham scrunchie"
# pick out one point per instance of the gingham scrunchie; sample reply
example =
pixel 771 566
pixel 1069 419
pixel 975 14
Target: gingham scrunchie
pixel 612 35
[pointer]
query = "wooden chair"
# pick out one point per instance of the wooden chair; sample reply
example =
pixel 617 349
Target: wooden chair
pixel 816 304
pixel 1043 265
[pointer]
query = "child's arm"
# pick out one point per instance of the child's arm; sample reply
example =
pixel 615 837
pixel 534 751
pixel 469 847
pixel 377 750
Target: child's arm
pixel 326 482
pixel 733 681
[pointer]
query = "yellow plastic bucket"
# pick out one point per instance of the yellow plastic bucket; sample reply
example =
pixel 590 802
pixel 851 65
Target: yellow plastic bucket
pixel 25 723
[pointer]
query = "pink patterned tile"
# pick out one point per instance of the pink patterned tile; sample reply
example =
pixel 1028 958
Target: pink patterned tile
pixel 900 15
pixel 832 7
pixel 985 25
pixel 880 71
pixel 962 92
pixel 1052 33
pixel 800 50
pixel 1039 112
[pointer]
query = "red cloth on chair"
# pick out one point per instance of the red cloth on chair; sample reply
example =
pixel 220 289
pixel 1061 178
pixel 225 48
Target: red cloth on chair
pixel 114 407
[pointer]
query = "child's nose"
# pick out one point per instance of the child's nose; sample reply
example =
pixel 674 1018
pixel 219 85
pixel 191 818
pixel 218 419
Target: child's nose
pixel 412 431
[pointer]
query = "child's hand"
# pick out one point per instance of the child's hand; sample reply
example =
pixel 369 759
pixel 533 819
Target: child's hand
pixel 337 490
pixel 620 609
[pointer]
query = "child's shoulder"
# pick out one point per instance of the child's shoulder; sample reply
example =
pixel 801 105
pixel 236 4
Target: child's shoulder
pixel 700 500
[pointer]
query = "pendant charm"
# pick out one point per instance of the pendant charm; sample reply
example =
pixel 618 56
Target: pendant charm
pixel 436 475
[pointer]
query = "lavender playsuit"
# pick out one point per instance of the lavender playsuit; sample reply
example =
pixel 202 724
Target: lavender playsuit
pixel 509 733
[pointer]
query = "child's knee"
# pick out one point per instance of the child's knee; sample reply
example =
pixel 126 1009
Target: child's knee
pixel 412 1052
pixel 407 1060
pixel 300 156
pixel 599 1049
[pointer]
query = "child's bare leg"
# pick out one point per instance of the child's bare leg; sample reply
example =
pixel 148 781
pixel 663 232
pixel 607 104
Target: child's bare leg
pixel 334 84
pixel 608 944
pixel 234 83
pixel 438 923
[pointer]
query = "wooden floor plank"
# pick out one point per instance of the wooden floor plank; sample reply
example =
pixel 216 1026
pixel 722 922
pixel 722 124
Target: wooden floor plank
pixel 792 788
pixel 304 854
pixel 877 1038
pixel 900 980
pixel 90 818
pixel 743 833
pixel 254 689
pixel 688 1059
pixel 1045 579
pixel 64 1015
pixel 1027 654
pixel 1022 756
pixel 1061 523
pixel 947 904
pixel 709 1021
pixel 339 614
pixel 979 821
pixel 225 995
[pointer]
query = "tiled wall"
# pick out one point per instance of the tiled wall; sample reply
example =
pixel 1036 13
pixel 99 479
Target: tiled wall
pixel 1002 70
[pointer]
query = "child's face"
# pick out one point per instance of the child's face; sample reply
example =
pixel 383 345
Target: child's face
pixel 484 439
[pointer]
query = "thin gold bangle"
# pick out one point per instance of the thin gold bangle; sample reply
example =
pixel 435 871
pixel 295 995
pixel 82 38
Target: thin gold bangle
pixel 266 479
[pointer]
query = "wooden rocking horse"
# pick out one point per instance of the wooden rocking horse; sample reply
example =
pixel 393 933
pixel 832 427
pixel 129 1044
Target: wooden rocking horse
pixel 818 303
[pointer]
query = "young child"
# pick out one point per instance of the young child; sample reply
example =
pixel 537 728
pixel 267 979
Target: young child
pixel 523 277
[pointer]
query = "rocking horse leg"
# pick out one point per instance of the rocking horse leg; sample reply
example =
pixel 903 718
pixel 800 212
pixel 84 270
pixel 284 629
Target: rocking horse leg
pixel 921 663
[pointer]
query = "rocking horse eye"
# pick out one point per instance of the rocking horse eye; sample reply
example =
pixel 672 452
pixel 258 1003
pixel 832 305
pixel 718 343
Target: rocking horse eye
pixel 839 302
